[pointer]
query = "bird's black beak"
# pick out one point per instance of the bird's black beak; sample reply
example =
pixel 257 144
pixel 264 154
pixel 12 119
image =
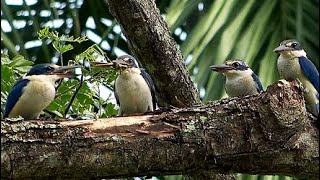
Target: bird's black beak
pixel 120 64
pixel 221 68
pixel 101 64
pixel 66 71
pixel 282 48
pixel 117 64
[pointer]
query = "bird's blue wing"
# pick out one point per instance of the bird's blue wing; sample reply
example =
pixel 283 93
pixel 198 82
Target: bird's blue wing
pixel 150 83
pixel 310 71
pixel 116 94
pixel 14 95
pixel 258 83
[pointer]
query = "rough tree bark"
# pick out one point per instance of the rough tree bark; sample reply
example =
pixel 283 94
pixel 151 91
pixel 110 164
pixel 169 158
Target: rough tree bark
pixel 270 133
pixel 149 39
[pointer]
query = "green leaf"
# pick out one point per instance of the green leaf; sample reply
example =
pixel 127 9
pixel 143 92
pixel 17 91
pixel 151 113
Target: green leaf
pixel 61 48
pixel 20 61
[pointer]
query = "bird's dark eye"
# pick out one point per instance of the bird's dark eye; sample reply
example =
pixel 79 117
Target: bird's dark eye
pixel 293 45
pixel 130 61
pixel 236 64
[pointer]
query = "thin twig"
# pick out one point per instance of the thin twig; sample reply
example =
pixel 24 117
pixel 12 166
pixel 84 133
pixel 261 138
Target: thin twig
pixel 74 96
pixel 57 95
pixel 60 81
pixel 100 102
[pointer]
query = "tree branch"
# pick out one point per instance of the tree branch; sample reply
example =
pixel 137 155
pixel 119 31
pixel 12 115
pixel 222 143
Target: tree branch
pixel 149 39
pixel 270 133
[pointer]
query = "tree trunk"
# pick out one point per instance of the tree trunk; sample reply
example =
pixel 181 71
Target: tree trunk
pixel 150 41
pixel 270 133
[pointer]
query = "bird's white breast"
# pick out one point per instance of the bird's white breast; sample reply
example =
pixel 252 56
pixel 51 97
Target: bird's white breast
pixel 290 69
pixel 240 84
pixel 36 96
pixel 133 92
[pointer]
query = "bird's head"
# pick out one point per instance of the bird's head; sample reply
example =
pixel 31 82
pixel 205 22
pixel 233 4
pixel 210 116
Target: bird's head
pixel 53 71
pixel 233 67
pixel 290 49
pixel 121 63
pixel 124 62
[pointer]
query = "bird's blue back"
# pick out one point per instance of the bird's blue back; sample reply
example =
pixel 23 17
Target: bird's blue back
pixel 310 71
pixel 258 83
pixel 150 83
pixel 14 95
